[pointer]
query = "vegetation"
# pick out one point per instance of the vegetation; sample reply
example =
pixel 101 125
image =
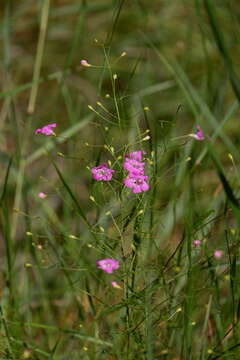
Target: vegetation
pixel 117 77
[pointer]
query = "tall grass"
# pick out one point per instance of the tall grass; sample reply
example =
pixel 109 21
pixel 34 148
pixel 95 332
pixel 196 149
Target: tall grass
pixel 157 70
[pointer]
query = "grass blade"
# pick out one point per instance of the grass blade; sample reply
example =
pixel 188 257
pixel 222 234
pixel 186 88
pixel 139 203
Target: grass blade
pixel 39 56
pixel 216 29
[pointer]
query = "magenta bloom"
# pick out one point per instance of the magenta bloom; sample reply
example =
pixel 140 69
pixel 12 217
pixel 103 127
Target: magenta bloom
pixel 108 265
pixel 134 166
pixel 135 155
pixel 198 134
pixel 196 243
pixel 42 195
pixel 218 254
pixel 46 130
pixel 102 173
pixel 138 183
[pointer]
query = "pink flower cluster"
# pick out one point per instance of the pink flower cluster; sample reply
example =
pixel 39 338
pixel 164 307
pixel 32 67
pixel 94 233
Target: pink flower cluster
pixel 136 180
pixel 46 130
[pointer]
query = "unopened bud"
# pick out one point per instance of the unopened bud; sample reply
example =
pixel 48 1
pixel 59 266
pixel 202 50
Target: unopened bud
pixel 27 265
pixel 60 154
pixel 72 236
pixel 27 354
pixel 164 352
pixel 115 285
pixel 85 63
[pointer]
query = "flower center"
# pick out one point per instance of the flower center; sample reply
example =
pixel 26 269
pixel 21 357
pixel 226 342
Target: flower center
pixel 107 265
pixel 102 172
pixel 138 181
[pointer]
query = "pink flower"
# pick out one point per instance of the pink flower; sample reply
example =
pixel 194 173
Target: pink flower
pixel 115 285
pixel 108 265
pixel 218 254
pixel 102 173
pixel 42 195
pixel 138 183
pixel 198 134
pixel 136 155
pixel 196 243
pixel 134 166
pixel 46 130
pixel 85 63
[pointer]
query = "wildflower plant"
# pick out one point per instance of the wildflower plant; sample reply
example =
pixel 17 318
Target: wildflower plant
pixel 135 255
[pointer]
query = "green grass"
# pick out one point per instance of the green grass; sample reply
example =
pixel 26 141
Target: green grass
pixel 159 69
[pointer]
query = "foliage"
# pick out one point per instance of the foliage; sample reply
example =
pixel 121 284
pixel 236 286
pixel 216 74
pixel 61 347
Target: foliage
pixel 157 70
